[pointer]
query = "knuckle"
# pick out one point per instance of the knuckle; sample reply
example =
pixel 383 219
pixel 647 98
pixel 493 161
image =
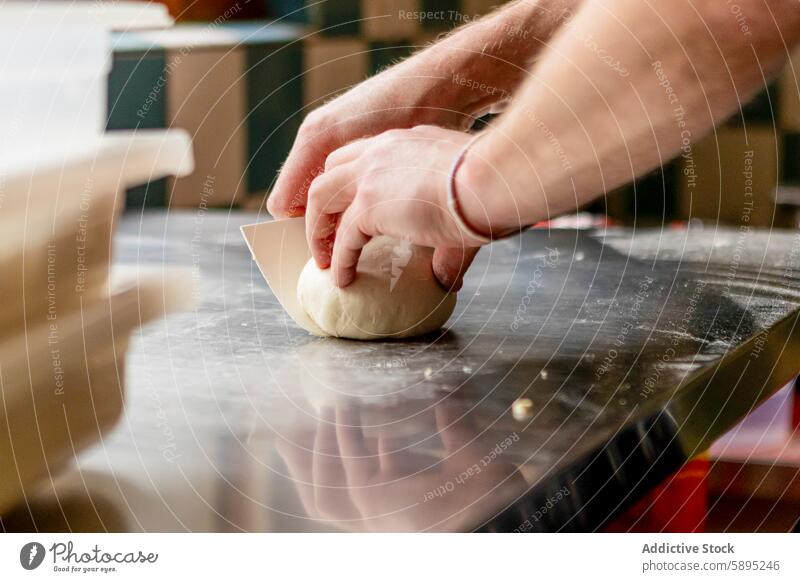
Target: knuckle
pixel 316 127
pixel 393 133
pixel 388 144
pixel 333 160
pixel 312 123
pixel 316 189
pixel 360 215
pixel 361 200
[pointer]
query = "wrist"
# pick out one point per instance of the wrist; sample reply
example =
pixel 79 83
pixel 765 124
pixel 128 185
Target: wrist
pixel 486 196
pixel 457 192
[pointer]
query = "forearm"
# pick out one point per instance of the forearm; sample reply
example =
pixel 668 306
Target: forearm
pixel 485 61
pixel 625 87
pixel 425 89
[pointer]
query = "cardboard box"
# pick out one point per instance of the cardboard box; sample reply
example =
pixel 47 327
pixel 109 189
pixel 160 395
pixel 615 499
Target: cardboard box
pixel 380 20
pixel 206 97
pixel 331 66
pixel 789 91
pixel 730 177
pixel 236 87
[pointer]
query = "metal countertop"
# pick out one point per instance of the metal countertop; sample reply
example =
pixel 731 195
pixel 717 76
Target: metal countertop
pixel 637 348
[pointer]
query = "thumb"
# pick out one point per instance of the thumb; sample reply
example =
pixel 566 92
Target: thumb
pixel 450 264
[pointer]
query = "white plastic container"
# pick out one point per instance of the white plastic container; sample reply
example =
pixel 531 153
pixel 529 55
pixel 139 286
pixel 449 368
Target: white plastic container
pixel 54 63
pixel 53 71
pixel 44 116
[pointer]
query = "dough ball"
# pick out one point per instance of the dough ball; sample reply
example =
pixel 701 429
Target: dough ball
pixel 395 294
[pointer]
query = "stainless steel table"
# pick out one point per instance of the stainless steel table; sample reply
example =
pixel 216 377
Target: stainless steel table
pixel 636 348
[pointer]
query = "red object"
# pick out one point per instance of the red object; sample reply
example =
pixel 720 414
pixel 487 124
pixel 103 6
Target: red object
pixel 209 10
pixel 678 505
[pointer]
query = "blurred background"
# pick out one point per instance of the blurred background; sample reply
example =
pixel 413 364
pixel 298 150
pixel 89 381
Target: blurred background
pixel 240 75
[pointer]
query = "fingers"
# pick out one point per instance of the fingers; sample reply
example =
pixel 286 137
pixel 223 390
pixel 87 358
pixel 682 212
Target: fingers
pixel 455 428
pixel 329 196
pixel 359 464
pixel 350 241
pixel 298 457
pixel 450 265
pixel 327 467
pixel 346 154
pixel 394 457
pixel 288 197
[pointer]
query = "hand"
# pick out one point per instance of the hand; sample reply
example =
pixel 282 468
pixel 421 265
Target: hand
pixel 449 84
pixel 377 483
pixel 394 184
pixel 411 93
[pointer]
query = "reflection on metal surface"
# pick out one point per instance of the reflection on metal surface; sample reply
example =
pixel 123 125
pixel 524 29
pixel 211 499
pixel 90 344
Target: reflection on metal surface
pixel 388 483
pixel 634 359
